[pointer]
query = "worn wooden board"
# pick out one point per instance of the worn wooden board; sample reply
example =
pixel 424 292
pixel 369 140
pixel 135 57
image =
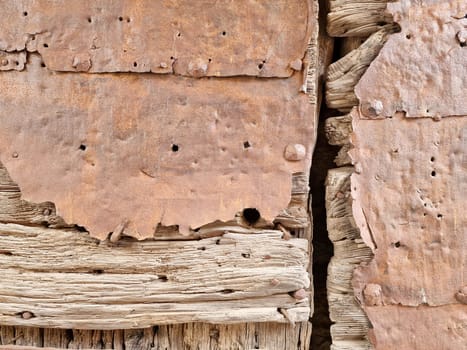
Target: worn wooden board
pixel 194 38
pixel 180 151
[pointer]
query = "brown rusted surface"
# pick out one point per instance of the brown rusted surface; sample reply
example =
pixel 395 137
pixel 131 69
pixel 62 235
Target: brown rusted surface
pixel 148 149
pixel 419 328
pixel 420 70
pixel 194 38
pixel 410 202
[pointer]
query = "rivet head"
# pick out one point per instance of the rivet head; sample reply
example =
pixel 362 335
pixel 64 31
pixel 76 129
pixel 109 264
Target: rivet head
pixel 26 315
pixel 296 64
pixel 373 294
pixel 295 152
pixel 372 109
pixel 300 294
pixel 198 68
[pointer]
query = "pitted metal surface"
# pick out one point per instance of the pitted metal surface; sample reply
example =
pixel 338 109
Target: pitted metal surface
pixel 186 37
pixel 421 70
pixel 145 149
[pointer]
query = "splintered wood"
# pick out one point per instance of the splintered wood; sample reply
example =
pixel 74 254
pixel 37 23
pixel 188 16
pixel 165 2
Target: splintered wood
pixel 409 186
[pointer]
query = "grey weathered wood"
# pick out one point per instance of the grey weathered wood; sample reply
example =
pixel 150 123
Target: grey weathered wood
pixel 344 74
pixel 350 327
pixel 357 17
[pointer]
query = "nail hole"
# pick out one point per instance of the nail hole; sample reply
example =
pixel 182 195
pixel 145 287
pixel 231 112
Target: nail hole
pixel 162 278
pixel 135 64
pixel 218 241
pixel 46 45
pixel 246 255
pixel 408 36
pixel 120 19
pixel 224 33
pixel 440 216
pixel 260 66
pixel 227 291
pixel 82 147
pixel 172 58
pixel 432 159
pixel 89 19
pixel 179 34
pixel 16 63
pixel 397 244
pixel 424 214
pixel 128 20
pixel 209 59
pixel 25 13
pixel 246 144
pixel 251 215
pixel 433 173
pixel 175 148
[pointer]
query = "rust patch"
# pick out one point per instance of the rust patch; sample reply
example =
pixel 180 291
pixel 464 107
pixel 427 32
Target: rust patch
pixel 409 203
pixel 140 150
pixel 420 70
pixel 193 38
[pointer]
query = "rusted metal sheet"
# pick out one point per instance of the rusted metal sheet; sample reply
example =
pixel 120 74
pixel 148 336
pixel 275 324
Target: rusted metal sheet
pixel 410 202
pixel 186 37
pixel 138 150
pixel 424 328
pixel 420 70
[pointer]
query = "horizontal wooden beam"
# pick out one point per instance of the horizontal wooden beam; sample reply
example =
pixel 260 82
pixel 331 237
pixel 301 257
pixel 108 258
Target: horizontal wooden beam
pixel 67 279
pixel 357 17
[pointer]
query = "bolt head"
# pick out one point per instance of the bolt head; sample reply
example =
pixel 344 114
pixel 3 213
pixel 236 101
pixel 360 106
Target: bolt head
pixel 295 152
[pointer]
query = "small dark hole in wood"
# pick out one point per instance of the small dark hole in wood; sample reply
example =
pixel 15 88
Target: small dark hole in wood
pixel 43 65
pixel 17 63
pixel 440 216
pixel 201 248
pixel 162 278
pixel 432 159
pixel 179 34
pixel 25 13
pixel 246 255
pixel 260 66
pixel 397 244
pixel 120 19
pixel 424 214
pixel 6 252
pixel 89 20
pixel 218 241
pixel 135 64
pixel 408 36
pixel 172 58
pixel 82 147
pixel 227 291
pixel 46 45
pixel 209 59
pixel 128 20
pixel 464 44
pixel 97 272
pixel 246 144
pixel 224 33
pixel 251 215
pixel 175 148
pixel 433 173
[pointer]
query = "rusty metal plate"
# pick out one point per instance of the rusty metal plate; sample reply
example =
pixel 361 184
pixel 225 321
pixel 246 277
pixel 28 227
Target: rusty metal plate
pixel 186 37
pixel 410 204
pixel 421 70
pixel 424 328
pixel 145 149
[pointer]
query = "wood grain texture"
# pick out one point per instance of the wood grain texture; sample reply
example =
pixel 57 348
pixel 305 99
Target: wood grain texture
pixel 351 325
pixel 354 18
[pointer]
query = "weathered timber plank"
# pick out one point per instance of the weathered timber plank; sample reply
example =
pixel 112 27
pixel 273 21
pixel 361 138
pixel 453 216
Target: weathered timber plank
pixel 185 337
pixel 215 39
pixel 350 327
pixel 226 150
pixel 420 70
pixel 64 277
pixel 357 17
pixel 344 74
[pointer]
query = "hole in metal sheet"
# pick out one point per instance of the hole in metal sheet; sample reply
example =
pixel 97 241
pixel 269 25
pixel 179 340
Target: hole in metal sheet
pixel 251 215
